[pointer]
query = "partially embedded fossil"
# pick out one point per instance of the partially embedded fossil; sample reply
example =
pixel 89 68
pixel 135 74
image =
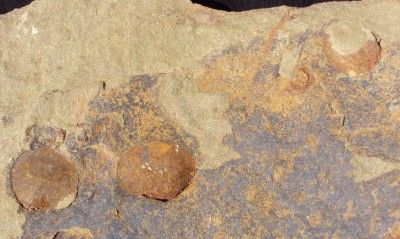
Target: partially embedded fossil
pixel 168 119
pixel 157 170
pixel 44 179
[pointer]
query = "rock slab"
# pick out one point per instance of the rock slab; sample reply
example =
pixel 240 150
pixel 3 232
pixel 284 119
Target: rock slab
pixel 272 123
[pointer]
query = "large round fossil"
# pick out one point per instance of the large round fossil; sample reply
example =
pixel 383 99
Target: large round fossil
pixel 156 170
pixel 44 179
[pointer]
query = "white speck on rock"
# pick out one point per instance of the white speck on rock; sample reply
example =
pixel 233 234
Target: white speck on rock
pixel 34 30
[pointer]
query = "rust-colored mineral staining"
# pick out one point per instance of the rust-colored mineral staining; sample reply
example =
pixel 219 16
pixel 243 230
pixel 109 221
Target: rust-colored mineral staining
pixel 157 170
pixel 43 179
pixel 302 82
pixel 351 49
pixel 394 233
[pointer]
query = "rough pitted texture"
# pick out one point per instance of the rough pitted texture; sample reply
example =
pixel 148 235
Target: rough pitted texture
pixel 292 117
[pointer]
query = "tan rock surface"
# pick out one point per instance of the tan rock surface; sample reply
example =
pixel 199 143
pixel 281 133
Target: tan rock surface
pixel 291 103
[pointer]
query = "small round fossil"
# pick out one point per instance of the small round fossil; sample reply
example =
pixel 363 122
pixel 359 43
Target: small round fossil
pixel 156 170
pixel 352 49
pixel 43 179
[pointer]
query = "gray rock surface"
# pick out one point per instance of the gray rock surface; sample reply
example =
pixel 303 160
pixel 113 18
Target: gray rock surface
pixel 291 116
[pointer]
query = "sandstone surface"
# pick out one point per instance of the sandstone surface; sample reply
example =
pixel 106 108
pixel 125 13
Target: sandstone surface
pixel 290 115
